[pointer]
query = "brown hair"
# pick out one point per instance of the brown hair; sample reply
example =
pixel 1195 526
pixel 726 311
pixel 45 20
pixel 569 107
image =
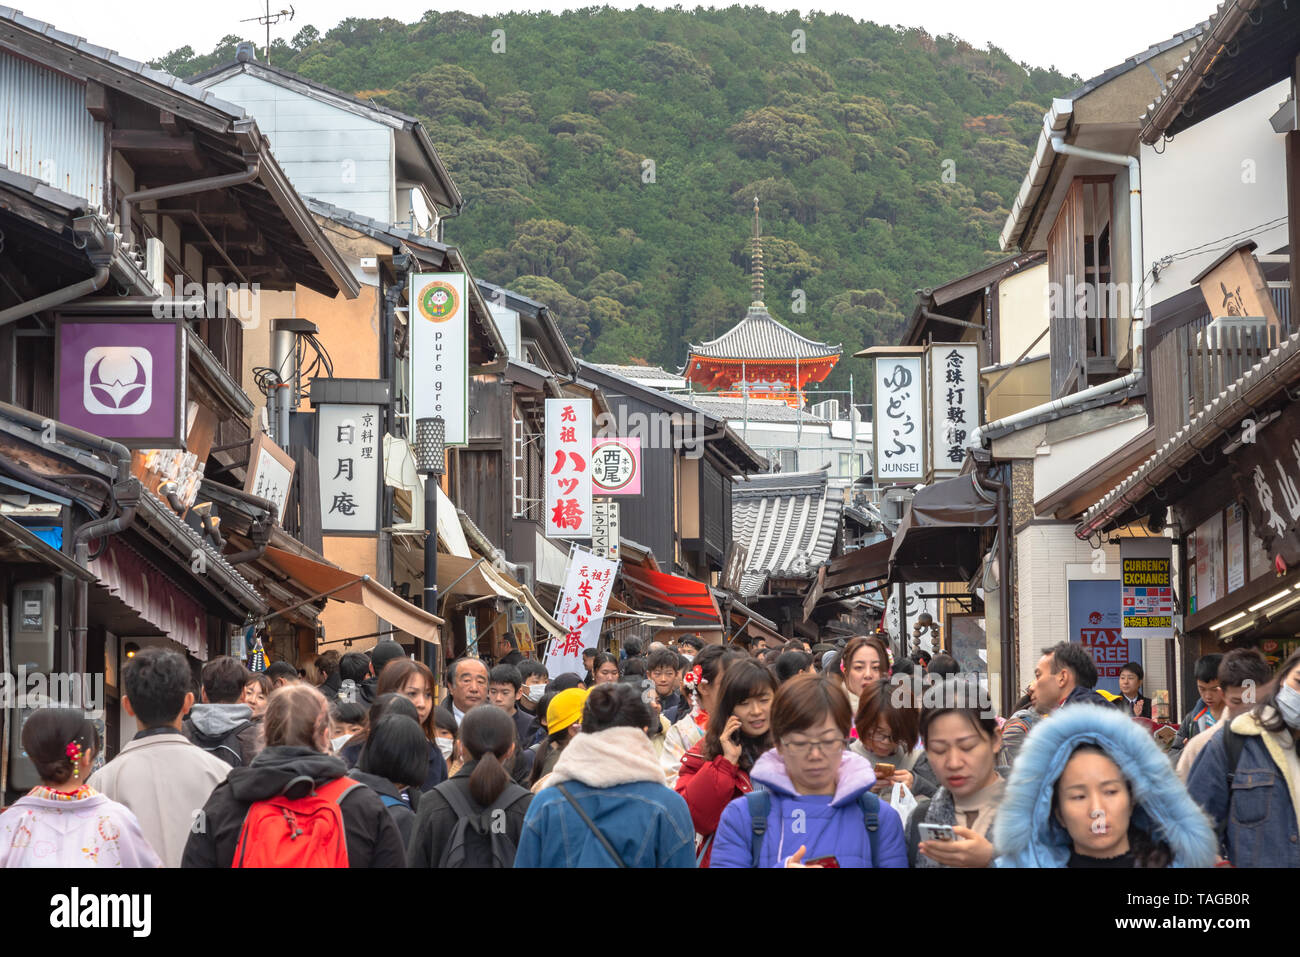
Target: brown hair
pixel 804 702
pixel 295 715
pixel 904 722
pixel 857 644
pixel 393 679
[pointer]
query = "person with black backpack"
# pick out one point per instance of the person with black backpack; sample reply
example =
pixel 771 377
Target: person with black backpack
pixel 223 725
pixel 393 764
pixel 473 819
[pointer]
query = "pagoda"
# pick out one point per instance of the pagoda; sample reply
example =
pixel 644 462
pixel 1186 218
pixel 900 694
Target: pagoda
pixel 759 357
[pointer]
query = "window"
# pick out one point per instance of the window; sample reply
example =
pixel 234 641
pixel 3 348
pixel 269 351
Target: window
pixel 1083 299
pixel 520 473
pixel 788 460
pixel 846 465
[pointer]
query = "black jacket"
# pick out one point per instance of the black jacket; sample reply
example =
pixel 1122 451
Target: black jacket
pixel 1124 705
pixel 368 691
pixel 330 687
pixel 350 755
pixel 403 814
pixel 673 707
pixel 525 728
pixel 436 820
pixel 1081 695
pixel 373 839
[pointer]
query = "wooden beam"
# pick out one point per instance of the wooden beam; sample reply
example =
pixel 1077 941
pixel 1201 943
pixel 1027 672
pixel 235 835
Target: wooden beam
pixel 97 101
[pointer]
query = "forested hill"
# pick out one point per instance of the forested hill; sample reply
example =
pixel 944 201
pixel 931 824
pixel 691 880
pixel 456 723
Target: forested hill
pixel 610 159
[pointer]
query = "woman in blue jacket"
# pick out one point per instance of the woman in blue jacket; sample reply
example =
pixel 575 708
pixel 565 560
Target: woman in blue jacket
pixel 1091 789
pixel 815 808
pixel 606 804
pixel 1255 800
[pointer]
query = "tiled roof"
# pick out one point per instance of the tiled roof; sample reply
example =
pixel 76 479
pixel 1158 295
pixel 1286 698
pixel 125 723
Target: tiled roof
pixel 760 336
pixel 786 521
pixel 639 372
pixel 733 409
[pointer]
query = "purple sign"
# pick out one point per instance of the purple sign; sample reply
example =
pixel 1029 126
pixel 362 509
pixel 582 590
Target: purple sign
pixel 122 379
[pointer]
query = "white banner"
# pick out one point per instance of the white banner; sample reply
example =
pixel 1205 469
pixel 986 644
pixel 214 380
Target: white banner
pixel 954 403
pixel 568 468
pixel 587 584
pixel 439 324
pixel 350 450
pixel 604 528
pixel 898 414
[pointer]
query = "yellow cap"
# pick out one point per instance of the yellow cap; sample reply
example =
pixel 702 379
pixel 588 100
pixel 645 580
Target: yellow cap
pixel 565 709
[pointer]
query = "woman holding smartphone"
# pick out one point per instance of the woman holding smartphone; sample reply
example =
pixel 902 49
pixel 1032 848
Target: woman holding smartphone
pixel 951 828
pixel 817 809
pixel 716 769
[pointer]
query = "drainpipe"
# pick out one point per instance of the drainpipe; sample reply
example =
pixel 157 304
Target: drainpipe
pixel 182 189
pixel 260 534
pixel 1006 635
pixel 88 230
pixel 1136 274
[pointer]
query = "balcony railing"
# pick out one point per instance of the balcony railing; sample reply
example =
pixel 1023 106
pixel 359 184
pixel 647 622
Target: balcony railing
pixel 1194 363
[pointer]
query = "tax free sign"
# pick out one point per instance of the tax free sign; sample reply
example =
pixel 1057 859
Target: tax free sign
pixel 439 321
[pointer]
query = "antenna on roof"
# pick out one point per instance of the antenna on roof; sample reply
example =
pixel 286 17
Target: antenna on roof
pixel 269 18
pixel 756 280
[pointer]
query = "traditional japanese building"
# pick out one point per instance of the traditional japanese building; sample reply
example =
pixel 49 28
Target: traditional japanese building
pixel 759 357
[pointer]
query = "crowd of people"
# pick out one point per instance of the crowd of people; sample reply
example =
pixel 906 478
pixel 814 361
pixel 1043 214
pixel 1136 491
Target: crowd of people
pixel 678 754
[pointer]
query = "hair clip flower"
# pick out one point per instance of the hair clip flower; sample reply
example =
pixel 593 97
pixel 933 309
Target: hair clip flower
pixel 694 677
pixel 73 751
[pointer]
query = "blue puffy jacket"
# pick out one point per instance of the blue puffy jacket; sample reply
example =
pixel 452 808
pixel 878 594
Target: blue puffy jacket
pixel 1027 834
pixel 831 826
pixel 1259 810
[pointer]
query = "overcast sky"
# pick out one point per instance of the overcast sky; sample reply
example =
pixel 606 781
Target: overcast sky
pixel 1076 39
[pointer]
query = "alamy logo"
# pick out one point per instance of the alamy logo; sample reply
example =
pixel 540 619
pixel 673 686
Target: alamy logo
pixel 118 380
pixel 74 910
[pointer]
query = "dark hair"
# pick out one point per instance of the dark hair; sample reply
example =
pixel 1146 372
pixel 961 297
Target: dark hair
pixel 615 705
pixel 742 680
pixel 528 668
pixel 1136 668
pixel 1146 850
pixel 790 663
pixel 634 667
pixel 921 657
pixel 563 682
pixel 805 701
pixel 663 658
pixel 156 681
pixel 1274 721
pixel 349 712
pixel 394 679
pixel 327 662
pixel 47 732
pixel 294 716
pixel 260 679
pixel 385 651
pixel 444 720
pixel 1244 664
pixel 397 750
pixel 904 722
pixel 451 668
pixel 588 652
pixel 353 666
pixel 281 669
pixel 904 666
pixel 602 658
pixel 224 679
pixel 486 736
pixel 1022 703
pixel 694 641
pixel 1068 654
pixel 943 664
pixel 383 706
pixel 979 714
pixel 506 675
pixel 1207 667
pixel 855 645
pixel 632 647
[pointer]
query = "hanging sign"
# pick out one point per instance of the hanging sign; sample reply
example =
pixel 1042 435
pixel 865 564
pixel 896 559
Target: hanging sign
pixel 270 474
pixel 604 528
pixel 439 325
pixel 568 468
pixel 616 466
pixel 1267 476
pixel 587 584
pixel 954 403
pixel 1148 592
pixel 898 449
pixel 350 456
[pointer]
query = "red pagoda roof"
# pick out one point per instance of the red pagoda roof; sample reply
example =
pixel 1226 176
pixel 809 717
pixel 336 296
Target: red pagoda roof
pixel 761 338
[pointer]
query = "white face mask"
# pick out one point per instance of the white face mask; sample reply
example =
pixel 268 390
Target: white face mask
pixel 445 745
pixel 536 692
pixel 689 658
pixel 337 743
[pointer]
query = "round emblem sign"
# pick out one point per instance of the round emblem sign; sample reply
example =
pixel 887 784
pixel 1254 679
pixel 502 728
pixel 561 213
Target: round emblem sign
pixel 438 302
pixel 613 466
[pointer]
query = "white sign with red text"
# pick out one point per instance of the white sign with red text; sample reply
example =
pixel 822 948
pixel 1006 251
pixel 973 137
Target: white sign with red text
pixel 587 585
pixel 568 468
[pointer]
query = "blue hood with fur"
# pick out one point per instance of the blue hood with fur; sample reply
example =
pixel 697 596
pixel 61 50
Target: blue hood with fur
pixel 1026 834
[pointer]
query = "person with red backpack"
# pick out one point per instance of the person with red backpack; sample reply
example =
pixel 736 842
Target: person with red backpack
pixel 294 806
pixel 474 818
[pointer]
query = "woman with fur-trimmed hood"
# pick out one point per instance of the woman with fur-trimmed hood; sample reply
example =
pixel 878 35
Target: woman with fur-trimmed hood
pixel 1091 789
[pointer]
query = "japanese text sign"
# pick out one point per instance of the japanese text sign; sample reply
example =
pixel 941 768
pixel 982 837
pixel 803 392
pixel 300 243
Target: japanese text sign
pixel 1267 476
pixel 567 468
pixel 270 474
pixel 1148 594
pixel 350 449
pixel 604 528
pixel 587 584
pixel 899 419
pixel 439 321
pixel 616 466
pixel 954 405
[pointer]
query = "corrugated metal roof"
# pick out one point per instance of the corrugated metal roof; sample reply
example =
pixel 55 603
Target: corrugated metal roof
pixel 760 336
pixel 755 410
pixel 787 522
pixel 639 372
pixel 43 191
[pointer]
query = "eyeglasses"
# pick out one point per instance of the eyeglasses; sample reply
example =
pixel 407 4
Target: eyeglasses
pixel 804 749
pixel 882 737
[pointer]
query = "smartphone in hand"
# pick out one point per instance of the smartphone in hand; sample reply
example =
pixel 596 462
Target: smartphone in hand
pixel 937 832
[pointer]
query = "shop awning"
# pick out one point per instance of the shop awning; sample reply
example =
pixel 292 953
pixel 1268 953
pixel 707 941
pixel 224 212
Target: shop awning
pixel 478 578
pixel 938 539
pixel 21 547
pixel 690 603
pixel 860 566
pixel 330 581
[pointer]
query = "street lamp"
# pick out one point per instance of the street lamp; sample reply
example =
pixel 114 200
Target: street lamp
pixel 431 462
